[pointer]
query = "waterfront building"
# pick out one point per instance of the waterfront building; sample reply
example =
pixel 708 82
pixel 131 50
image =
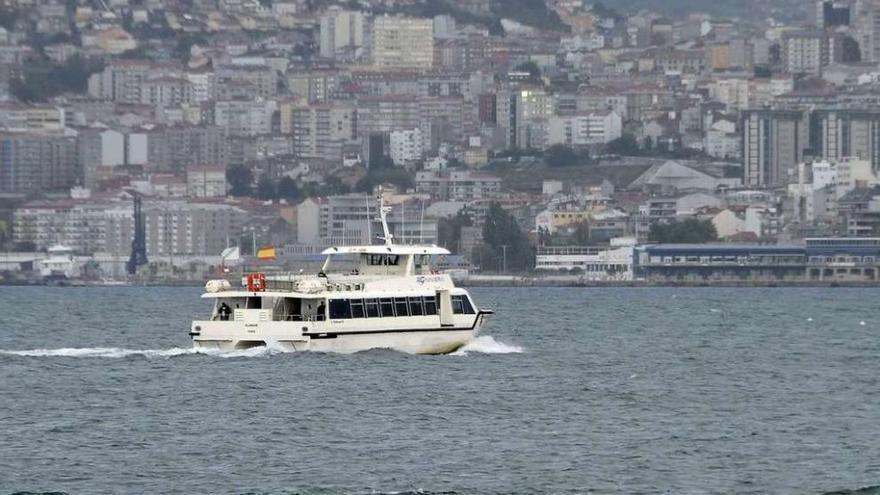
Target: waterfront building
pixel 173 227
pixel 595 263
pixel 706 263
pixel 843 258
pixel 825 259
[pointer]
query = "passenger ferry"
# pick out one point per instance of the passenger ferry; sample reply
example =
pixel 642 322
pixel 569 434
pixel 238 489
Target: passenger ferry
pixel 394 299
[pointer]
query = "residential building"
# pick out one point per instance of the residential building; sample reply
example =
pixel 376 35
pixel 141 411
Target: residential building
pixel 584 130
pixel 455 185
pixel 206 181
pixel 806 51
pixel 37 162
pixel 31 118
pixel 173 227
pixel 843 133
pixel 773 144
pixel 244 117
pixel 343 33
pixel 403 42
pixel 406 146
pixel 321 131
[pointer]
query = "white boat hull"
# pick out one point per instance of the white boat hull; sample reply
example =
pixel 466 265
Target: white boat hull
pixel 325 337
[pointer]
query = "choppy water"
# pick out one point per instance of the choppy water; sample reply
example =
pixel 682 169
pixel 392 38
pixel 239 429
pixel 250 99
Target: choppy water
pixel 569 391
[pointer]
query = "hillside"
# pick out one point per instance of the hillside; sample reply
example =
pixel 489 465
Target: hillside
pixel 730 8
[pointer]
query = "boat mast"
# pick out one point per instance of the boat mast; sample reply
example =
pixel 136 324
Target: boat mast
pixel 383 216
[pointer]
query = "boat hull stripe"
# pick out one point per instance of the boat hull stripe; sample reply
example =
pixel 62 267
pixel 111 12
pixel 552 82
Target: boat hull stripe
pixel 333 335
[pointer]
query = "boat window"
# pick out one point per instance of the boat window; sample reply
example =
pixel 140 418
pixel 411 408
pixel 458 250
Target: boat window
pixel 372 308
pixel 431 305
pixel 340 309
pixel 357 308
pixel 376 259
pixel 254 303
pixel 462 305
pixel 466 305
pixel 401 307
pixel 392 259
pixel 387 307
pixel 415 306
pixel 456 305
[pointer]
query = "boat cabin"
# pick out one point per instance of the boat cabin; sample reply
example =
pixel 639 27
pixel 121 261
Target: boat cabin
pixel 396 261
pixel 342 307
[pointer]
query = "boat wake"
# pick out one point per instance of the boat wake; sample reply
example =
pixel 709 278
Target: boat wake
pixel 116 353
pixel 486 344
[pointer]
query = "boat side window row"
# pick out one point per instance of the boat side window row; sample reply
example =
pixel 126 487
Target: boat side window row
pixel 388 307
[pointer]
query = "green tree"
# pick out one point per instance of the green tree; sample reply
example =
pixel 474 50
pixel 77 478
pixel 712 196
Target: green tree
pixel 8 16
pixel 185 42
pixel 850 51
pixel 582 234
pixel 625 145
pixel 288 189
pixel 449 230
pixel 505 243
pixel 43 80
pixel 240 180
pixel 560 155
pixel 397 176
pixel 691 231
pixel 266 188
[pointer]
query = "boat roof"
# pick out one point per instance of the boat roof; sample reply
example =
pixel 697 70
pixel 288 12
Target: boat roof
pixel 385 249
pixel 356 294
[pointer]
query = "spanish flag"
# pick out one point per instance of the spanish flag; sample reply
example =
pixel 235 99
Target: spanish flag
pixel 266 253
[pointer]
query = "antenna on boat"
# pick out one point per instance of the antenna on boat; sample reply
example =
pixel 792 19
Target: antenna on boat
pixel 383 216
pixel 369 220
pixel 422 221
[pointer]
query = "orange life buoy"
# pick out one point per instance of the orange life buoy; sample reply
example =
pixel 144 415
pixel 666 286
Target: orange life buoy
pixel 256 282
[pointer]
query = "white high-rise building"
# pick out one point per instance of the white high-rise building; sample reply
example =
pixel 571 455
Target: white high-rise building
pixel 406 146
pixel 403 43
pixel 342 31
pixel 584 130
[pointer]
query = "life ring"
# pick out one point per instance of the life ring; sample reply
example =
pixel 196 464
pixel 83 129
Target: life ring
pixel 256 282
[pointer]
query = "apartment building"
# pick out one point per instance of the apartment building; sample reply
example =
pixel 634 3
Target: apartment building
pixel 773 144
pixel 173 227
pixel 457 185
pixel 845 133
pixel 33 118
pixel 244 117
pixel 321 131
pixel 206 181
pixel 37 162
pixel 403 42
pixel 343 33
pixel 584 130
pixel 806 51
pixel 407 146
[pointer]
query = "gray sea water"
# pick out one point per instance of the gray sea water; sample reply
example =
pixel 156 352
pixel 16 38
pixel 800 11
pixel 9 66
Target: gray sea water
pixel 568 391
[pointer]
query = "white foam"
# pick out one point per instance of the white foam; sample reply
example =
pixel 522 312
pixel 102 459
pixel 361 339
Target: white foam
pixel 486 344
pixel 116 352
